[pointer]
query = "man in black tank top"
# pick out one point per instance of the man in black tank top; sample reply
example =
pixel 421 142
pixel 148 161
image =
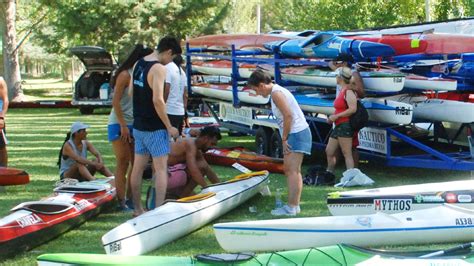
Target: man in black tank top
pixel 151 126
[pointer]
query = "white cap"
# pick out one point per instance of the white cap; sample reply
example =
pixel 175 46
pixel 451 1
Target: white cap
pixel 76 126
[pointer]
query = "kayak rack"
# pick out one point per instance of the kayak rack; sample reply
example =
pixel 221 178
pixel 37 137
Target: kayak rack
pixel 265 129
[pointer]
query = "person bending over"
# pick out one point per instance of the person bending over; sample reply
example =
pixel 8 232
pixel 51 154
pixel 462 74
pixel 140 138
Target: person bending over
pixel 187 154
pixel 73 162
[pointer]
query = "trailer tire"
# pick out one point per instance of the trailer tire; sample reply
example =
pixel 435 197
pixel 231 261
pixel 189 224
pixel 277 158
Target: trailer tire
pixel 276 147
pixel 262 140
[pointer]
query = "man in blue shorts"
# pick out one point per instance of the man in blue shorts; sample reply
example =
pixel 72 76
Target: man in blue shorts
pixel 151 127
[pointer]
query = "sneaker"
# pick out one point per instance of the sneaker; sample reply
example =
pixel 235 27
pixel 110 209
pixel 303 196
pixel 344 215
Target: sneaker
pixel 123 208
pixel 298 209
pixel 129 204
pixel 284 211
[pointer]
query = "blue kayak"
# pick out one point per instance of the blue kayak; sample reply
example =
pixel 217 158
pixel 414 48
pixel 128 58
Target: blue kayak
pixel 329 45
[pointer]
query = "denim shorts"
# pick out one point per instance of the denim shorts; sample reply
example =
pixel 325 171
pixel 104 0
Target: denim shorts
pixel 113 131
pixel 155 143
pixel 301 142
pixel 343 130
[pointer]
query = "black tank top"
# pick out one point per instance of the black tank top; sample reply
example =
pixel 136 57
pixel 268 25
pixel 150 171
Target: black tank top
pixel 145 117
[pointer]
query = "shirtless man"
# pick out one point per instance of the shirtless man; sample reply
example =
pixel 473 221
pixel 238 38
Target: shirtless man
pixel 189 151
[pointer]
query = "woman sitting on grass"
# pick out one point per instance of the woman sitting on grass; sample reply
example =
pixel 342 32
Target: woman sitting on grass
pixel 73 161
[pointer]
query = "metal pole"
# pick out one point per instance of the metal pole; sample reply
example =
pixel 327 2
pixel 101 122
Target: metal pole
pixel 258 18
pixel 427 10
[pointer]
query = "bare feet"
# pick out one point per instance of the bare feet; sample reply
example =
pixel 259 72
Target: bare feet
pixel 138 212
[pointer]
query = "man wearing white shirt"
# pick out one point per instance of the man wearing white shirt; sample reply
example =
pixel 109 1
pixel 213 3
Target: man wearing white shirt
pixel 175 93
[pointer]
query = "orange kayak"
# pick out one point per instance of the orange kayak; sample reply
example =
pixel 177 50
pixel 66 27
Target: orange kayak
pixel 13 176
pixel 251 160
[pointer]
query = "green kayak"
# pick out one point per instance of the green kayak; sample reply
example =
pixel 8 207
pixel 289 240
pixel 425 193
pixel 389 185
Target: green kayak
pixel 330 255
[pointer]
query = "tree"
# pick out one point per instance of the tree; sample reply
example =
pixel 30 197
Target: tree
pixel 10 50
pixel 118 25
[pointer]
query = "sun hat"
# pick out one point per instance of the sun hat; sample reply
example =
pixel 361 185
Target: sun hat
pixel 76 126
pixel 345 73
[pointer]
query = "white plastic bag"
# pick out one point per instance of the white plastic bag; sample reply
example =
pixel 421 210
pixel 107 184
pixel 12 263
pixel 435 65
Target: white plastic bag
pixel 354 177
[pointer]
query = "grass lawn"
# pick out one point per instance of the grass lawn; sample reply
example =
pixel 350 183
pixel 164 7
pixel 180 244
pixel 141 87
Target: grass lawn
pixel 47 89
pixel 36 135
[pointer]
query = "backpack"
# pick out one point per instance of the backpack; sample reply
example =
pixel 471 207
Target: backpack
pixel 318 176
pixel 360 118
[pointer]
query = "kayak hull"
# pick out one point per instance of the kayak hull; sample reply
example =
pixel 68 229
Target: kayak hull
pixel 402 198
pixel 13 176
pixel 33 223
pixel 175 219
pixel 251 160
pixel 331 255
pixel 224 92
pixel 438 225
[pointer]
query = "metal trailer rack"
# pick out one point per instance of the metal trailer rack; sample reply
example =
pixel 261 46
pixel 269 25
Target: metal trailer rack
pixel 376 139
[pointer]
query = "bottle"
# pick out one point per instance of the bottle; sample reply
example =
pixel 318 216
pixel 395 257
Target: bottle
pixel 278 201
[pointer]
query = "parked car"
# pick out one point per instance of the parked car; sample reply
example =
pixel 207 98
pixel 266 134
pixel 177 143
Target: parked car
pixel 92 89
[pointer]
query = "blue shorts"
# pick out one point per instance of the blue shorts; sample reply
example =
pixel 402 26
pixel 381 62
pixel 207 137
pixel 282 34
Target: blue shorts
pixel 301 142
pixel 113 131
pixel 155 143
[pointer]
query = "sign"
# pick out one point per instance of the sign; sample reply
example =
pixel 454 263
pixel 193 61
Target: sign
pixel 373 139
pixel 241 115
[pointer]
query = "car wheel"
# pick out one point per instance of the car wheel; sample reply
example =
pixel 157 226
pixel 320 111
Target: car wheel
pixel 86 110
pixel 262 140
pixel 276 149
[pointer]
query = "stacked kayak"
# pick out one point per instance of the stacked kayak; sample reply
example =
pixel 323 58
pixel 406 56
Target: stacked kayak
pixel 374 81
pixel 341 254
pixel 224 92
pixel 380 110
pixel 251 160
pixel 402 198
pixel 33 223
pixel 417 82
pixel 222 68
pixel 441 224
pixel 177 218
pixel 329 45
pixel 438 109
pixel 223 42
pixel 13 176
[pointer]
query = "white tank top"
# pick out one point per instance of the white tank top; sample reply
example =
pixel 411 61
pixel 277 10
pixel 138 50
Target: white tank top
pixel 299 121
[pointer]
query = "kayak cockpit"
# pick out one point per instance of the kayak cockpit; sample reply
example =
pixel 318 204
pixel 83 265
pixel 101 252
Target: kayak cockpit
pixel 44 207
pixel 79 189
pixel 225 258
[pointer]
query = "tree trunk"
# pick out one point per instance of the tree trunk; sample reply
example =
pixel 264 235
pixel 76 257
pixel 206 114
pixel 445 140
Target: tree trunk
pixel 10 51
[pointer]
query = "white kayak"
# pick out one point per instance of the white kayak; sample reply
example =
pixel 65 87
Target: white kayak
pixel 175 219
pixel 418 82
pixel 223 68
pixel 438 109
pixel 442 224
pixel 388 111
pixel 224 92
pixel 374 81
pixel 402 198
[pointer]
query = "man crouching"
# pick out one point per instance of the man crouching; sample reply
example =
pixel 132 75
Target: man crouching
pixel 186 156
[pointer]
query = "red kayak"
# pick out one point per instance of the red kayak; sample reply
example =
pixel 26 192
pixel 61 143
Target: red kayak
pixel 427 43
pixel 13 176
pixel 33 223
pixel 251 160
pixel 223 42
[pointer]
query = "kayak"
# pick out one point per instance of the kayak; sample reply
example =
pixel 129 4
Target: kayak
pixel 251 160
pixel 329 45
pixel 177 218
pixel 374 81
pixel 222 68
pixel 224 92
pixel 401 43
pixel 341 254
pixel 223 42
pixel 417 82
pixel 402 198
pixel 380 111
pixel 438 109
pixel 453 96
pixel 32 223
pixel 441 224
pixel 13 176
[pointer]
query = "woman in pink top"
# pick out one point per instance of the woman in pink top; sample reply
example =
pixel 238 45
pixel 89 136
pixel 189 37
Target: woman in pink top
pixel 345 105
